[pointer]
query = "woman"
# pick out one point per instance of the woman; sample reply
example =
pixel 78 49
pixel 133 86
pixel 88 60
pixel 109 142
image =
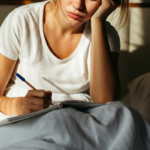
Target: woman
pixel 63 48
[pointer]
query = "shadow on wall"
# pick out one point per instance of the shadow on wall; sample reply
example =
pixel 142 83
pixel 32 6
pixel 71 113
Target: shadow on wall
pixel 138 64
pixel 140 58
pixel 140 61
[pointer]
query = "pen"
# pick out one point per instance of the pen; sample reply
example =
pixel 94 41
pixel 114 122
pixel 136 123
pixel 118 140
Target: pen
pixel 23 79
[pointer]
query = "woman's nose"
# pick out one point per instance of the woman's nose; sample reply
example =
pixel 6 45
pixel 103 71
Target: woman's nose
pixel 78 4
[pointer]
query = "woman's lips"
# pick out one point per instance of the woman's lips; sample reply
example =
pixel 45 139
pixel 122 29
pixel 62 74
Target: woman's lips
pixel 74 16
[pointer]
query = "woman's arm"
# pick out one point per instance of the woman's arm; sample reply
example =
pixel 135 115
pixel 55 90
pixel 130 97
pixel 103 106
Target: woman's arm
pixel 7 105
pixel 11 39
pixel 34 100
pixel 104 80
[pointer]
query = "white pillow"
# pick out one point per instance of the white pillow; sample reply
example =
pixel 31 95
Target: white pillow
pixel 139 95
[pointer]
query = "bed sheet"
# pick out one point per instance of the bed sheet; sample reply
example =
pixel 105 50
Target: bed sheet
pixel 113 126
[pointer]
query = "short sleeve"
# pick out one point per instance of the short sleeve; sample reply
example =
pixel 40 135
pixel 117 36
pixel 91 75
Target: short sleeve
pixel 10 36
pixel 113 38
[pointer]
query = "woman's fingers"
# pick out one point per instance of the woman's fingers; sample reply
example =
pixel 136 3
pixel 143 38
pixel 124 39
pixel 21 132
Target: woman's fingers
pixel 40 94
pixel 37 100
pixel 46 104
pixel 48 96
pixel 105 9
pixel 33 107
pixel 36 93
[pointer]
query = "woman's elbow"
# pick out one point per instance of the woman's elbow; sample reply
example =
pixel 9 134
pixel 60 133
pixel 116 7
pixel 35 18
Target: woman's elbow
pixel 102 97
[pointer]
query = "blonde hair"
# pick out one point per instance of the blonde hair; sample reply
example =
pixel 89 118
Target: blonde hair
pixel 124 10
pixel 54 7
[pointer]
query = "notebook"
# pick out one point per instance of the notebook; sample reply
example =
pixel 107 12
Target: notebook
pixel 79 105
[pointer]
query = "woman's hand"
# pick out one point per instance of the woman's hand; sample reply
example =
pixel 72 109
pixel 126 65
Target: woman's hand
pixel 34 100
pixel 106 7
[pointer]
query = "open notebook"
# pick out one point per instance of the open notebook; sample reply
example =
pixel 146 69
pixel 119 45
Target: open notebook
pixel 79 105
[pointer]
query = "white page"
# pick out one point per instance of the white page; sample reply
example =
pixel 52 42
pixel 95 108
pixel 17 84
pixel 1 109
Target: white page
pixel 2 116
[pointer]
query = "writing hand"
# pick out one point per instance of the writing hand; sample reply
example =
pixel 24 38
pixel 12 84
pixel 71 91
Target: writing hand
pixel 35 100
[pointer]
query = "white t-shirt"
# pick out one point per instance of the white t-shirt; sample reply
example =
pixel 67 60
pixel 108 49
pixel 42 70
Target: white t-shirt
pixel 22 38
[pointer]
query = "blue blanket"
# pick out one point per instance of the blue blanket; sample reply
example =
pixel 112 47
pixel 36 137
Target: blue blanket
pixel 113 126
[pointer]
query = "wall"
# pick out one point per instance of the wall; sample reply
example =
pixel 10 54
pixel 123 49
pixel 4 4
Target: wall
pixel 5 10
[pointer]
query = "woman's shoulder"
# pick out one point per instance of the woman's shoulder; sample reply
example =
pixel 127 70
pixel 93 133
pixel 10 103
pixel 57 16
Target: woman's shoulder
pixel 111 30
pixel 24 15
pixel 113 37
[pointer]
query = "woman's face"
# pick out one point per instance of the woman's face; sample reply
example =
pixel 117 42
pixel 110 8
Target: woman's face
pixel 83 8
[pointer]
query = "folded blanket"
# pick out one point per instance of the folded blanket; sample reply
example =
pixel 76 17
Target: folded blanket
pixel 113 126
